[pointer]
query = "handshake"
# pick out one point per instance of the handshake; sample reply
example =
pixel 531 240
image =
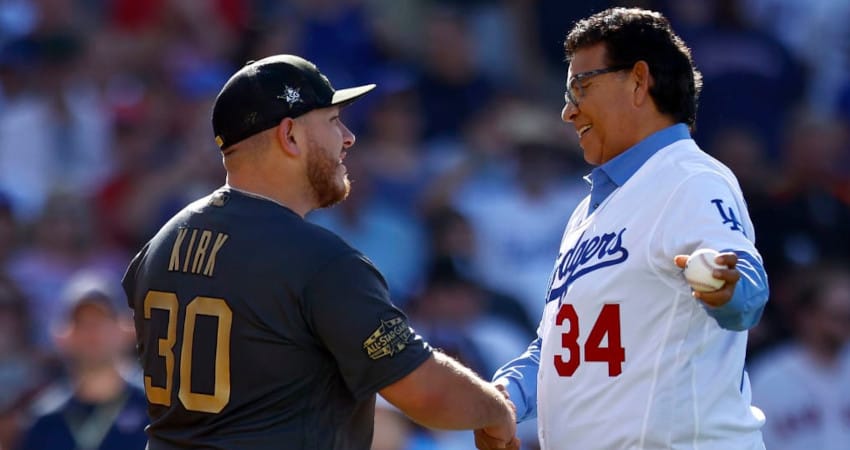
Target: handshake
pixel 502 435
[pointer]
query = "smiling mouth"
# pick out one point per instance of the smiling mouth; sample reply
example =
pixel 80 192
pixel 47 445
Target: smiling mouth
pixel 583 130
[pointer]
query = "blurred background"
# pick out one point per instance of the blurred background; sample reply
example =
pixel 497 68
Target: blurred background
pixel 463 175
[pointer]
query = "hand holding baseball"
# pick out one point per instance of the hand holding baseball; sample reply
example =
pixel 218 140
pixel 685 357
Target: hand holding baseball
pixel 725 271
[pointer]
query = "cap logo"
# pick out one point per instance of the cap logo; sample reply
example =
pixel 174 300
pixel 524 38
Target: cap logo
pixel 291 95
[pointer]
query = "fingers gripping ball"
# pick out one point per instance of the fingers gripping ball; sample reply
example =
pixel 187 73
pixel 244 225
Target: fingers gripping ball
pixel 699 268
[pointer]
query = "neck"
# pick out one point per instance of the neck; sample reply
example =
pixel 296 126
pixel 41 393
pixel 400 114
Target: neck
pixel 285 196
pixel 651 125
pixel 100 384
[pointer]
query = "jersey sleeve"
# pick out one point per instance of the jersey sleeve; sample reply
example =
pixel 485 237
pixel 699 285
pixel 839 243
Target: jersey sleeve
pixel 347 307
pixel 707 210
pixel 519 376
pixel 128 281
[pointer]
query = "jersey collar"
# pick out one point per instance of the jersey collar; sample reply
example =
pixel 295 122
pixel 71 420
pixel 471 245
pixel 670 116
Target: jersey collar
pixel 606 178
pixel 254 195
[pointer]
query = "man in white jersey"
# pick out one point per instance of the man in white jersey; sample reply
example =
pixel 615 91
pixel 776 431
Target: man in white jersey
pixel 627 355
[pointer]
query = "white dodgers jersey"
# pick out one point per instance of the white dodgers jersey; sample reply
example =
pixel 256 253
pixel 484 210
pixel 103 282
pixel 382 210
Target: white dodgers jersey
pixel 629 359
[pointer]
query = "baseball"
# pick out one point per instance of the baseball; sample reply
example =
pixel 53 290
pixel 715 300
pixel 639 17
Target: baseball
pixel 698 270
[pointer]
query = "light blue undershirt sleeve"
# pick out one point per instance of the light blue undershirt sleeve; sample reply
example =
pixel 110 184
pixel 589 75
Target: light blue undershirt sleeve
pixel 747 304
pixel 519 376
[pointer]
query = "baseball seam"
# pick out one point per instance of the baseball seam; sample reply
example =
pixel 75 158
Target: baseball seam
pixel 705 287
pixel 707 261
pixel 702 287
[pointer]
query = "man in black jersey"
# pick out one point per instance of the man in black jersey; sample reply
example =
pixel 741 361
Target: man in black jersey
pixel 259 330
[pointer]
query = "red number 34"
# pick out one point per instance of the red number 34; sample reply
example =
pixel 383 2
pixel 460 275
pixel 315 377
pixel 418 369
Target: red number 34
pixel 608 323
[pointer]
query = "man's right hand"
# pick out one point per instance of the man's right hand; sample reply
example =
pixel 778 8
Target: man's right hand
pixel 501 388
pixel 499 437
pixel 485 441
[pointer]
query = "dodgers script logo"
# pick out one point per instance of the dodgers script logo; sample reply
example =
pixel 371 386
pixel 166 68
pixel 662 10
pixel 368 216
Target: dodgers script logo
pixel 585 257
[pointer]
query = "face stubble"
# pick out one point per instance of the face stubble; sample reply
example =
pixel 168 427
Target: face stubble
pixel 329 187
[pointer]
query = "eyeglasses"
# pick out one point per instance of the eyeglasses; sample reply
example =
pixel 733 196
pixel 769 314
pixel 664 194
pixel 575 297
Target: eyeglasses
pixel 574 90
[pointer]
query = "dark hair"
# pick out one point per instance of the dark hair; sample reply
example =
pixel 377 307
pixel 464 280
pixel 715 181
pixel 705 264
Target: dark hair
pixel 631 35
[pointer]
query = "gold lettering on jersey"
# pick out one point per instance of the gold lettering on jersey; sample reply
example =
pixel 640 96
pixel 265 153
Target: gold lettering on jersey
pixel 189 250
pixel 389 339
pixel 197 259
pixel 201 252
pixel 174 263
pixel 219 242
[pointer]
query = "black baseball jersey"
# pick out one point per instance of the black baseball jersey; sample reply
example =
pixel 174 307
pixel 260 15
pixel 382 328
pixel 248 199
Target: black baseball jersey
pixel 259 330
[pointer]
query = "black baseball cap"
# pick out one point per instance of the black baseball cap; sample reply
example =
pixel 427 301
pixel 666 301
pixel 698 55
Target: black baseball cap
pixel 264 92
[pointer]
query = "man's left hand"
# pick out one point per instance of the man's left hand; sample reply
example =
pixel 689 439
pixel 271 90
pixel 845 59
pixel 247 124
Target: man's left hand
pixel 731 275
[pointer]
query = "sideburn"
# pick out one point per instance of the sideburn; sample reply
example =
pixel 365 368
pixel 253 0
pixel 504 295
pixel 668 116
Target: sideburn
pixel 321 173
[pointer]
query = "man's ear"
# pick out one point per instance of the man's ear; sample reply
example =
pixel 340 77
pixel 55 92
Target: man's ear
pixel 643 81
pixel 285 135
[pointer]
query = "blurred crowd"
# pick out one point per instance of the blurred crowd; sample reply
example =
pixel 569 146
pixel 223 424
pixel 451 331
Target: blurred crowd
pixel 463 178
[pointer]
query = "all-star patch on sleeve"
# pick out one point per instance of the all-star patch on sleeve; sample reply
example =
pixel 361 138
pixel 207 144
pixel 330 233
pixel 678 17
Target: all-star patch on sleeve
pixel 390 338
pixel 347 306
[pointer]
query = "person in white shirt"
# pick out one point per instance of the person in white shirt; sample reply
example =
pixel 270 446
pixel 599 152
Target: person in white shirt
pixel 627 355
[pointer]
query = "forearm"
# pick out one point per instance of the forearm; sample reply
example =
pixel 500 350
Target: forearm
pixel 744 310
pixel 444 394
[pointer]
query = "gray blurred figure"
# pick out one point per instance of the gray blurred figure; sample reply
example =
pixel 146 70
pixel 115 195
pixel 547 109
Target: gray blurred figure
pixel 803 386
pixel 96 407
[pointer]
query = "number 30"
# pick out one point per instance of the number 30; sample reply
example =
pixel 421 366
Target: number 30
pixel 608 323
pixel 208 306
